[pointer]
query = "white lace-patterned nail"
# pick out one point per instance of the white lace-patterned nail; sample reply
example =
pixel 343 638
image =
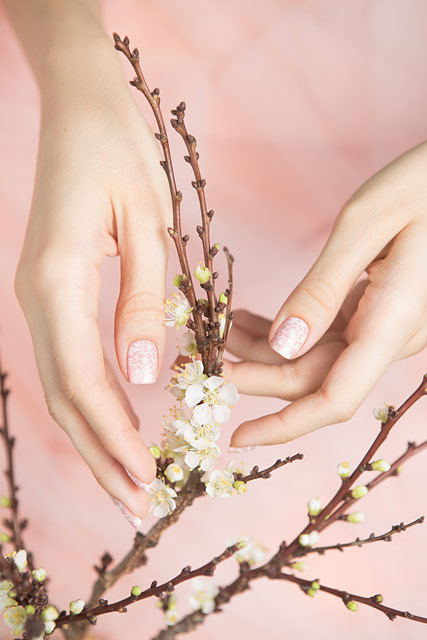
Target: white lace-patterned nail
pixel 142 362
pixel 130 517
pixel 290 337
pixel 136 480
pixel 241 449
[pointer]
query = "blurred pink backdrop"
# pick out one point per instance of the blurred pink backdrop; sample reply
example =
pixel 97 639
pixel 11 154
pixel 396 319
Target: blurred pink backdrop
pixel 294 104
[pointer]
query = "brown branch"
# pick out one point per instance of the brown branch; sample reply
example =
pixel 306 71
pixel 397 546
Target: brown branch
pixel 256 474
pixel 340 546
pixel 159 591
pixel 228 309
pixel 374 601
pixel 14 523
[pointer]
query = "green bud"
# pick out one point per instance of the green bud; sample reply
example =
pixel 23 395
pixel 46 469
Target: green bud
pixel 359 492
pixel 76 607
pixel 241 544
pixel 4 537
pixel 50 613
pixel 155 451
pixel 353 606
pixel 30 610
pixel 311 592
pixel 136 591
pixel 315 585
pixel 240 487
pixel 356 517
pixel 223 298
pixel 39 574
pixel 381 465
pixel 399 470
pixel 378 598
pixel 298 566
pixel 217 246
pixel 5 502
pixel 177 280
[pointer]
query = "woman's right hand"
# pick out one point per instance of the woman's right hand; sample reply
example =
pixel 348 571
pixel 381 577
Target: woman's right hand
pixel 99 191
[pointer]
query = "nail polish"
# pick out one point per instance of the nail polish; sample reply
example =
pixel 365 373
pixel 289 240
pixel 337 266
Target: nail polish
pixel 142 362
pixel 130 517
pixel 241 449
pixel 136 480
pixel 290 337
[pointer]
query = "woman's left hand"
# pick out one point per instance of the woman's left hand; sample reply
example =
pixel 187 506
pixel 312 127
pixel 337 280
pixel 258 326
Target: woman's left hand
pixel 336 335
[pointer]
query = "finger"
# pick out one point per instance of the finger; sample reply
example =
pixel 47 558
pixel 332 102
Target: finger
pixel 107 471
pixel 139 326
pixel 253 323
pixel 115 386
pixel 288 381
pixel 313 305
pixel 381 334
pixel 70 312
pixel 248 347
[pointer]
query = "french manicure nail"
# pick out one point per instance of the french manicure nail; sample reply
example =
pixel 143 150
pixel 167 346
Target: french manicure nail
pixel 136 480
pixel 290 337
pixel 241 449
pixel 142 362
pixel 130 517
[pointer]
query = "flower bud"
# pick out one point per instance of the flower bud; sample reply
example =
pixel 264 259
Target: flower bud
pixel 308 539
pixel 136 591
pixel 155 451
pixel 49 627
pixel 378 598
pixel 39 574
pixel 178 280
pixel 30 610
pixel 223 298
pixel 315 585
pixel 174 473
pixel 202 273
pixel 5 502
pixel 20 560
pixel 50 613
pixel 356 517
pixel 381 414
pixel 380 465
pixel 77 606
pixel 343 469
pixel 240 487
pixel 217 246
pixel 4 537
pixel 314 506
pixel 311 592
pixel 359 492
pixel 353 606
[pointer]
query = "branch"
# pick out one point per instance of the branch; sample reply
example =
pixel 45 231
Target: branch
pixel 256 474
pixel 185 574
pixel 372 601
pixel 340 546
pixel 14 524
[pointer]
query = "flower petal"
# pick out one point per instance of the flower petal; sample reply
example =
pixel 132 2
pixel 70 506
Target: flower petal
pixel 194 394
pixel 228 394
pixel 214 382
pixel 202 414
pixel 221 413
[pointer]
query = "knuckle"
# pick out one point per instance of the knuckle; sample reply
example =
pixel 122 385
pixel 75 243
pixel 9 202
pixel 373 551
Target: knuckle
pixel 341 410
pixel 318 293
pixel 140 306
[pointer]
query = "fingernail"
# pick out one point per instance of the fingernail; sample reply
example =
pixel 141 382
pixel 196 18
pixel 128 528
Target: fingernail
pixel 136 480
pixel 142 362
pixel 290 337
pixel 130 517
pixel 241 449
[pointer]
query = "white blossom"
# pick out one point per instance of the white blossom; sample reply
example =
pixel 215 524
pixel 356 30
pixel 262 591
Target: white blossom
pixel 217 398
pixel 203 597
pixel 190 374
pixel 162 498
pixel 200 436
pixel 220 484
pixel 202 273
pixel 177 310
pixel 19 558
pixel 250 551
pixel 174 472
pixel 343 469
pixel 5 599
pixel 308 539
pixel 39 574
pixel 171 617
pixel 188 345
pixel 314 506
pixel 382 414
pixel 203 458
pixel 15 618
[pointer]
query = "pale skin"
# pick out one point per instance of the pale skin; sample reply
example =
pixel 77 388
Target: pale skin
pixel 100 191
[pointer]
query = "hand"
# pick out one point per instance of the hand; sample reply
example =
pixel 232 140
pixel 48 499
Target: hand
pixel 99 191
pixel 343 335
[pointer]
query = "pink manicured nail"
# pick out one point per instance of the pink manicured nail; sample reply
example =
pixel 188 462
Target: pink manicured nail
pixel 142 362
pixel 137 481
pixel 290 337
pixel 241 449
pixel 130 517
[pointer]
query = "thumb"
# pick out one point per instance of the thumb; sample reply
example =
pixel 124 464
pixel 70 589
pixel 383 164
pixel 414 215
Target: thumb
pixel 139 326
pixel 313 305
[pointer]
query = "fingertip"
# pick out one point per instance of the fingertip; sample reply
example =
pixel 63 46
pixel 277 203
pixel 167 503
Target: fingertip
pixel 142 362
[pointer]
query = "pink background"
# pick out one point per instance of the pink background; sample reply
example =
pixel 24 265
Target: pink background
pixel 294 105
